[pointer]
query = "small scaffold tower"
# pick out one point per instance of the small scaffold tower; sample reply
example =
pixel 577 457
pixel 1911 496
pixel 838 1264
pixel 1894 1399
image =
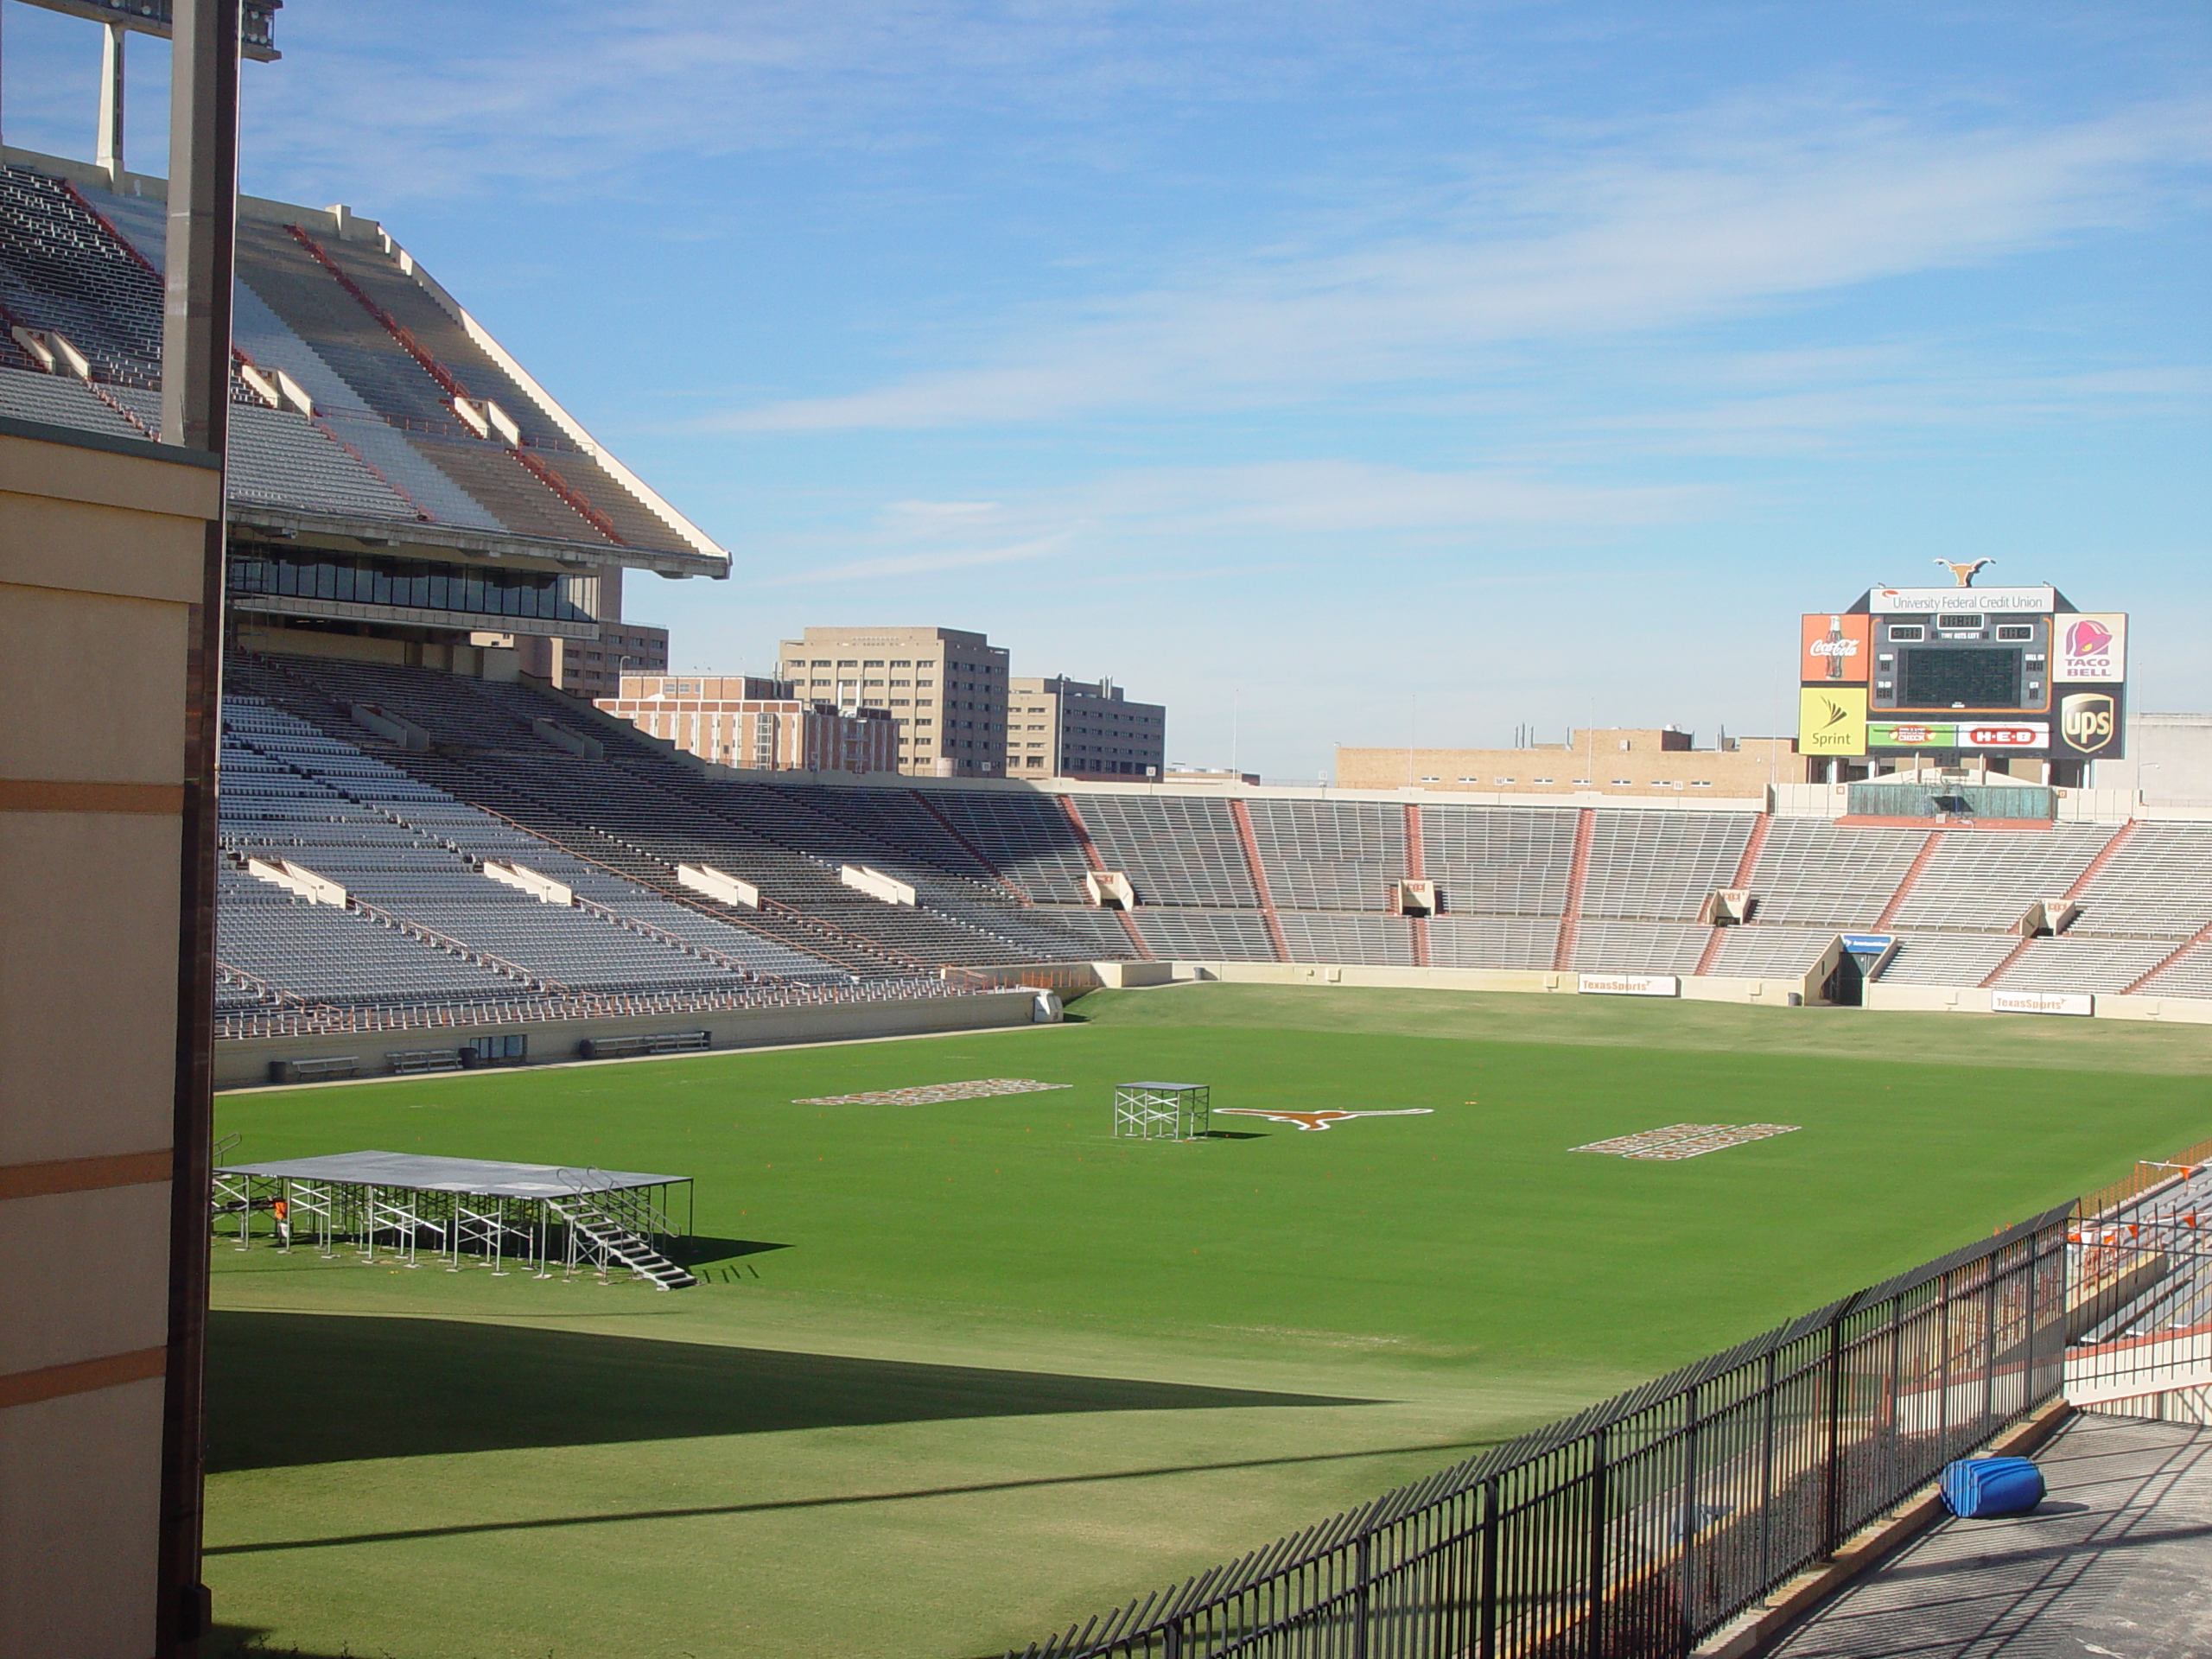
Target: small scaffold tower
pixel 1162 1111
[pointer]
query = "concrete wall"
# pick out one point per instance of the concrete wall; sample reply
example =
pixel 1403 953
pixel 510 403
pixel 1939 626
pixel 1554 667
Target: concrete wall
pixel 1762 993
pixel 1968 998
pixel 244 1064
pixel 101 551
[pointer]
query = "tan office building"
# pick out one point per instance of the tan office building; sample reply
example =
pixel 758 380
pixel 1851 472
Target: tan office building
pixel 1626 761
pixel 944 689
pixel 1059 727
pixel 741 719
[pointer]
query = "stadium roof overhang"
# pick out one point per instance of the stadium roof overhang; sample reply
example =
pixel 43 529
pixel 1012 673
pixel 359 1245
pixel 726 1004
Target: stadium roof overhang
pixel 403 536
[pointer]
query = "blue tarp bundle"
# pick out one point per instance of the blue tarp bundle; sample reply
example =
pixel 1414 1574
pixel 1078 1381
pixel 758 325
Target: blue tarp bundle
pixel 1979 1487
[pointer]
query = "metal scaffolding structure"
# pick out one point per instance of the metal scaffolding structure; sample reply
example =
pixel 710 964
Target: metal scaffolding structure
pixel 1162 1111
pixel 401 1208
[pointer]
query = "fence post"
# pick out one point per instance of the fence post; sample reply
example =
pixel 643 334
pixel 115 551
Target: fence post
pixel 1766 1472
pixel 1832 1484
pixel 1594 1616
pixel 1691 1420
pixel 1486 1600
pixel 1359 1604
pixel 1988 1343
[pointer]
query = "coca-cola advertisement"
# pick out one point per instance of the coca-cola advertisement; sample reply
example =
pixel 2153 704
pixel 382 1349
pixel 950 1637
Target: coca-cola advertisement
pixel 1834 648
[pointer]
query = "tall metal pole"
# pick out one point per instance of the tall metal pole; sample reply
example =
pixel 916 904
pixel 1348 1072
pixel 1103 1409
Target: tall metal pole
pixel 108 152
pixel 195 407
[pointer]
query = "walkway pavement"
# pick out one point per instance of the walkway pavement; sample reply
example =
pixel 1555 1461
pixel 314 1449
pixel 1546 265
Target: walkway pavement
pixel 2116 1563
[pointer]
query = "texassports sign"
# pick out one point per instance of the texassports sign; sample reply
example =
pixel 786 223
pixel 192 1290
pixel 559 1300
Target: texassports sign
pixel 2081 1006
pixel 1322 1120
pixel 1628 984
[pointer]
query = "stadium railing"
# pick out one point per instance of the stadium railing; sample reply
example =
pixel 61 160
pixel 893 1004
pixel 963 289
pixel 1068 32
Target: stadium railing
pixel 1642 1525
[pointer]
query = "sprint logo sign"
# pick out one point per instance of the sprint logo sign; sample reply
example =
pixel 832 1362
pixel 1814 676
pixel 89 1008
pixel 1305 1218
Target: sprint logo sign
pixel 1832 720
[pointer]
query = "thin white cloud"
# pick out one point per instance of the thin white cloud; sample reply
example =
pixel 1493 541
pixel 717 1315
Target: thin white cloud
pixel 1721 224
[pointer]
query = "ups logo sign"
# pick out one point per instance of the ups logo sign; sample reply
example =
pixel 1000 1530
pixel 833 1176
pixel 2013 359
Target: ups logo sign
pixel 2086 721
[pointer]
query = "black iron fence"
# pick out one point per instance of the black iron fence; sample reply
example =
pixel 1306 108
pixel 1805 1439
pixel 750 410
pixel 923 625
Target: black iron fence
pixel 1641 1525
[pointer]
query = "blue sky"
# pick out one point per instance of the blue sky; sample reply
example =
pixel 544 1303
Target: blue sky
pixel 1386 371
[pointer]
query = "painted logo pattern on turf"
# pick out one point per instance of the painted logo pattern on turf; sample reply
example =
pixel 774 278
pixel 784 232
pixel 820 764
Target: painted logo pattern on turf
pixel 933 1094
pixel 1680 1140
pixel 1315 1120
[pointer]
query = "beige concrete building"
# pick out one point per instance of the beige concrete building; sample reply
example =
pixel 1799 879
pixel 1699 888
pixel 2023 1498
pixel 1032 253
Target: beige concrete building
pixel 944 689
pixel 748 721
pixel 1057 727
pixel 103 554
pixel 1626 761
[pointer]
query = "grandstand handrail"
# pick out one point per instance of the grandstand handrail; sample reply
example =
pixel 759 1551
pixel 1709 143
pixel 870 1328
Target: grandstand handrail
pixel 391 324
pixel 255 982
pixel 326 1019
pixel 573 497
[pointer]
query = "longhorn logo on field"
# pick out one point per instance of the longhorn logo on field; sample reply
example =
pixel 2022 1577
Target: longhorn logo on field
pixel 1317 1119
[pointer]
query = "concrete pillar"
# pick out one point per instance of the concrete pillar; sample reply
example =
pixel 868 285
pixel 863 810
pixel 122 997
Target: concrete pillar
pixel 108 152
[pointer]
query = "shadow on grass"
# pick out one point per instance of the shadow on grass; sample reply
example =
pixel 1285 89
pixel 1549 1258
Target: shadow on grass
pixel 251 1642
pixel 698 1252
pixel 620 1517
pixel 285 1389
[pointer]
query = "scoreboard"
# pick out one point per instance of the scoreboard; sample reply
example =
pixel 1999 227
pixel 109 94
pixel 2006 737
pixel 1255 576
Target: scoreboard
pixel 1947 672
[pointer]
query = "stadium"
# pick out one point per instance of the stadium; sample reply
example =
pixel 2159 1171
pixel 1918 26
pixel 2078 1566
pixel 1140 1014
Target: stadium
pixel 658 1206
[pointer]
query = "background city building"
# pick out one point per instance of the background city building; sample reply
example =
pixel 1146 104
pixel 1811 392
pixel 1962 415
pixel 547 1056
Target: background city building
pixel 944 689
pixel 1057 727
pixel 1614 760
pixel 747 721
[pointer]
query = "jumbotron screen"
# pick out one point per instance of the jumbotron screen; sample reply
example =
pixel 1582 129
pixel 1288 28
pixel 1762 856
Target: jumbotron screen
pixel 1962 678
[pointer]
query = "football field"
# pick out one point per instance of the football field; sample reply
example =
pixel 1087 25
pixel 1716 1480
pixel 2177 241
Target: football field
pixel 962 1371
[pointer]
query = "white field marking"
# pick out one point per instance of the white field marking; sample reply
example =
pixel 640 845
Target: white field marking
pixel 932 1094
pixel 1680 1140
pixel 1317 1119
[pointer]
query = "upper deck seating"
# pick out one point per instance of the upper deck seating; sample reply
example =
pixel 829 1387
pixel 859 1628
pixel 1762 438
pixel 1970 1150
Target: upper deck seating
pixel 1027 838
pixel 1329 855
pixel 1660 866
pixel 1176 849
pixel 1986 881
pixel 2158 885
pixel 1505 861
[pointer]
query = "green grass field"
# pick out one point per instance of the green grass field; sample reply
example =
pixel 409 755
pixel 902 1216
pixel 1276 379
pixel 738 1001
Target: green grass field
pixel 963 1372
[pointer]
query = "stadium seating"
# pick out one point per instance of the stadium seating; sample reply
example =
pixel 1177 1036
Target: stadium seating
pixel 998 872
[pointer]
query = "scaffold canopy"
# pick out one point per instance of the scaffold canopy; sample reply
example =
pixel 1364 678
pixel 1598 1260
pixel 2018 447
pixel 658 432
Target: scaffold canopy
pixel 478 1176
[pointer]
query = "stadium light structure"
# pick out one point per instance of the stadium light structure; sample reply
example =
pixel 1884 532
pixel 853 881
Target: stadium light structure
pixel 257 21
